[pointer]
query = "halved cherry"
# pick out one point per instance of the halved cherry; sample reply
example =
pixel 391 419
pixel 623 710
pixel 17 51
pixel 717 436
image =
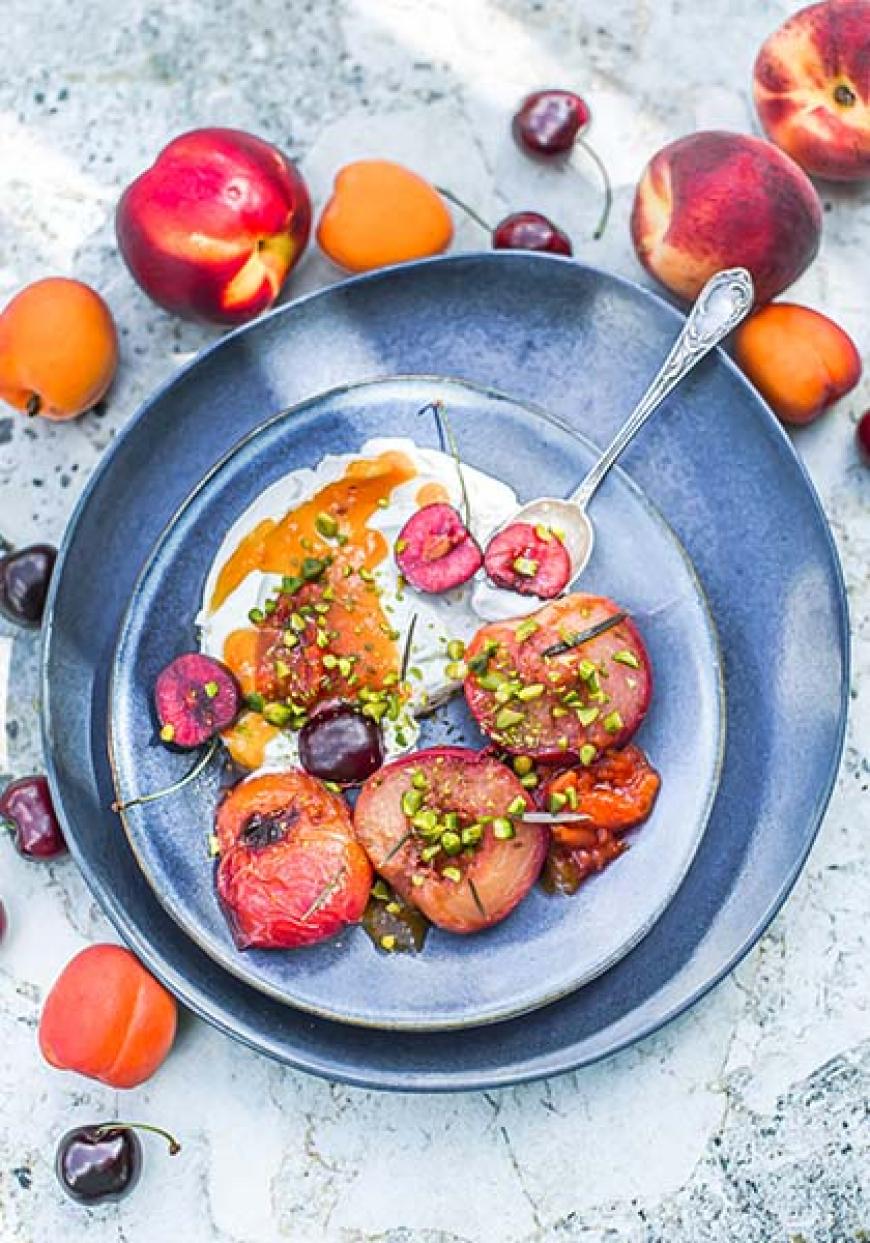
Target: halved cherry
pixel 195 698
pixel 527 559
pixel 435 550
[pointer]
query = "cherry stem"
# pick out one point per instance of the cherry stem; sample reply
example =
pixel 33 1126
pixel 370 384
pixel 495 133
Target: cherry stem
pixel 200 765
pixel 469 211
pixel 406 654
pixel 5 544
pixel 34 405
pixel 174 1146
pixel 608 192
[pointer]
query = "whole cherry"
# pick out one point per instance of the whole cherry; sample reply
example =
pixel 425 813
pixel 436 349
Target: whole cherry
pixel 862 437
pixel 26 808
pixel 522 230
pixel 25 574
pixel 550 124
pixel 102 1161
pixel 529 230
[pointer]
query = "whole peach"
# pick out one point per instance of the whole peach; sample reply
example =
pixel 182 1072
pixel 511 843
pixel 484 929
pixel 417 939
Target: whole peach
pixel 212 229
pixel 800 361
pixel 812 89
pixel 719 200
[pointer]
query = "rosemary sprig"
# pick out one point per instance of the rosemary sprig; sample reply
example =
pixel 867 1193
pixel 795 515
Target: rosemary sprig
pixel 397 846
pixel 477 900
pixel 200 766
pixel 406 654
pixel 448 441
pixel 577 640
pixel 325 894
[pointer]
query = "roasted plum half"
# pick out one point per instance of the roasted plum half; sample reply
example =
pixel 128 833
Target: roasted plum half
pixel 291 872
pixel 443 827
pixel 527 559
pixel 195 698
pixel 538 686
pixel 435 550
pixel 615 793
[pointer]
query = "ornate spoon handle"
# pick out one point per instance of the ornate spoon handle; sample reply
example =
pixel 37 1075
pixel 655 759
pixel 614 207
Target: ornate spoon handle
pixel 724 301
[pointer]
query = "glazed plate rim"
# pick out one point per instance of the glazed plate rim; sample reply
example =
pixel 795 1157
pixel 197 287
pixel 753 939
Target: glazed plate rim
pixel 231 959
pixel 559 1053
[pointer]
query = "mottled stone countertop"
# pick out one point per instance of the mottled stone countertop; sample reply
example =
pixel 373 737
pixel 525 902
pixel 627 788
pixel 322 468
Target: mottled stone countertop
pixel 744 1120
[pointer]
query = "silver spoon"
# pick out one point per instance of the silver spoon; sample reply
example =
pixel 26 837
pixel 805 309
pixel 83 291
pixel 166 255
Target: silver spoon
pixel 724 301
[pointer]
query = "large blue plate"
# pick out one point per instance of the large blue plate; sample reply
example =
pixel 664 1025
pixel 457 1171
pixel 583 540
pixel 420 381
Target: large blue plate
pixel 715 463
pixel 550 945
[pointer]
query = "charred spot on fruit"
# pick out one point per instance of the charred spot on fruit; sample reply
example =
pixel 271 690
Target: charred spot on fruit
pixel 844 95
pixel 262 831
pixel 34 405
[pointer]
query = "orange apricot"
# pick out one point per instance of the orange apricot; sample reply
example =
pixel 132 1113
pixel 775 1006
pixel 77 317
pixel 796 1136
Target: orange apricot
pixel 799 360
pixel 382 213
pixel 58 348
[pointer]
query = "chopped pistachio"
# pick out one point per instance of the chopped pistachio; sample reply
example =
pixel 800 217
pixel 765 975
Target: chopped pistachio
pixel 418 779
pixel 255 701
pixel 412 801
pixel 381 891
pixel 388 941
pixel 557 801
pixel 522 764
pixel 587 670
pixel 571 795
pixel 313 567
pixel 456 670
pixel 451 842
pixel 211 689
pixel 451 820
pixel 213 845
pixel 277 713
pixel 401 545
pixel 326 524
pixel 613 722
pixel 297 622
pixel 525 630
pixel 472 834
pixel 558 711
pixel 290 584
pixel 289 639
pixel 366 575
pixel 587 715
pixel 270 606
pixel 167 733
pixel 383 502
pixel 543 532
pixel 529 781
pixel 330 661
pixel 478 664
pixel 526 566
pixel 374 710
pixel 428 853
pixel 533 691
pixel 452 873
pixel 256 615
pixel 282 669
pixel 517 806
pixel 587 753
pixel 456 649
pixel 345 665
pixel 393 908
pixel 502 829
pixel 321 639
pixel 507 718
pixel 427 819
pixel 417 880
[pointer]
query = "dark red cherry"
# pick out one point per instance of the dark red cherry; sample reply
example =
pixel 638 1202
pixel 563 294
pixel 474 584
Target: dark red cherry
pixel 548 122
pixel 862 437
pixel 24 577
pixel 529 230
pixel 26 807
pixel 103 1161
pixel 339 744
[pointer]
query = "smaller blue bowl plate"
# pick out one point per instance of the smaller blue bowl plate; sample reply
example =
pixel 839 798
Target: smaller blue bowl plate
pixel 549 945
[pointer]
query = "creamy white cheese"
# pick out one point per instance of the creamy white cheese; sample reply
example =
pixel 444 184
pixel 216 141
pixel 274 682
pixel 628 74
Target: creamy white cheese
pixel 440 618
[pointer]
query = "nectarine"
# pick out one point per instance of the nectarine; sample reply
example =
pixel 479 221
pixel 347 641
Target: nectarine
pixel 800 361
pixel 58 348
pixel 719 200
pixel 212 229
pixel 812 89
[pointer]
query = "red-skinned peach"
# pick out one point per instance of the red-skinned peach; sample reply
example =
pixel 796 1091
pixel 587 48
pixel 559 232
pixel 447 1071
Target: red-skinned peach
pixel 799 360
pixel 812 89
pixel 719 200
pixel 212 229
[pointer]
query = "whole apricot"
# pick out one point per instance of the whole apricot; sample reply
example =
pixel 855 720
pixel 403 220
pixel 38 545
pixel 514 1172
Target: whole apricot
pixel 382 213
pixel 799 360
pixel 107 1018
pixel 58 348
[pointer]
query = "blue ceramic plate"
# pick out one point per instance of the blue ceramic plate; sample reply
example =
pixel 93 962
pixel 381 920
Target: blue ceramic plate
pixel 550 945
pixel 716 465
